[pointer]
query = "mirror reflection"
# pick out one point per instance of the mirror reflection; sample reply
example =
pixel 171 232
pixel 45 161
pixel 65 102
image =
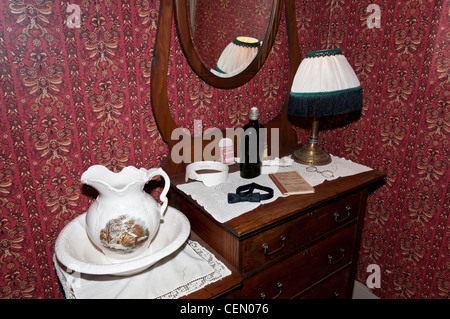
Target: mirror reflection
pixel 228 34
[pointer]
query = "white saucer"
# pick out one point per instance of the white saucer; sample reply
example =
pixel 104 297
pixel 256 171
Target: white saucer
pixel 74 249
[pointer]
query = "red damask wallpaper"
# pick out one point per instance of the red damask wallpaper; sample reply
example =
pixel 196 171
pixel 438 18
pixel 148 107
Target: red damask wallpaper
pixel 404 130
pixel 74 97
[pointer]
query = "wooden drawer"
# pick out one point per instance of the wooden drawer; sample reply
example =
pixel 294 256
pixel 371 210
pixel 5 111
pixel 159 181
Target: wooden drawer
pixel 284 239
pixel 302 270
pixel 334 287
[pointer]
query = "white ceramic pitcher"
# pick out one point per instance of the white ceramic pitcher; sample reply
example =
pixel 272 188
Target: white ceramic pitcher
pixel 123 219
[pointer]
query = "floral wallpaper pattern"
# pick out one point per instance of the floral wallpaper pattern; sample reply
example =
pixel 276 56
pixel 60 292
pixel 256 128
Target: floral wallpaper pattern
pixel 74 97
pixel 403 130
pixel 70 97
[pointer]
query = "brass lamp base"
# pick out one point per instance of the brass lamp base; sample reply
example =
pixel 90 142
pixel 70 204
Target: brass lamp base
pixel 311 154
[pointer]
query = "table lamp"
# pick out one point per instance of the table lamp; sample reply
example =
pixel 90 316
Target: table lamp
pixel 324 85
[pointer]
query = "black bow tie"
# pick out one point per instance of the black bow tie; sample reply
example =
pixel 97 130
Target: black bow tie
pixel 236 198
pixel 245 193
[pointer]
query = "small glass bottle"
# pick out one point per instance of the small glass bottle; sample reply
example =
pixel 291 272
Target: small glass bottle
pixel 251 150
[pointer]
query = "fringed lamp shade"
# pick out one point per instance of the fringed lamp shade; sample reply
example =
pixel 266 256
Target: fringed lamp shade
pixel 324 85
pixel 237 56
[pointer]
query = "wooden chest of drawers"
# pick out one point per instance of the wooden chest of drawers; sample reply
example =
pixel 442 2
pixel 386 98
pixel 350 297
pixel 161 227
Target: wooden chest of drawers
pixel 299 246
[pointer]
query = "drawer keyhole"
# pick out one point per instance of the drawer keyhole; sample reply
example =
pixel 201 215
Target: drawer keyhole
pixel 265 247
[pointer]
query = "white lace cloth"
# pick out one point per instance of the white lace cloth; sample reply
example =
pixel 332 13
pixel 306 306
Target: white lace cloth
pixel 189 269
pixel 215 201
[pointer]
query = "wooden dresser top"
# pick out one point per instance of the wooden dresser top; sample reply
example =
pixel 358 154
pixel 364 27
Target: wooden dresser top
pixel 286 207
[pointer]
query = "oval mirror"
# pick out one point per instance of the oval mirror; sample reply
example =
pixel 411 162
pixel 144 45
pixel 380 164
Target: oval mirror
pixel 227 42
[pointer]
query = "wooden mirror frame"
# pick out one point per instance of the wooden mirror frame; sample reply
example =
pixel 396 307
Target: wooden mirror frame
pixel 159 93
pixel 191 54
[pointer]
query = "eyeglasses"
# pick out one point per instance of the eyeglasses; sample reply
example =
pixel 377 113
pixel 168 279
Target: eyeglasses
pixel 325 173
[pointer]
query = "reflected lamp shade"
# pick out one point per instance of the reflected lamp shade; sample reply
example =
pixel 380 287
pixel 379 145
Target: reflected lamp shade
pixel 237 56
pixel 324 85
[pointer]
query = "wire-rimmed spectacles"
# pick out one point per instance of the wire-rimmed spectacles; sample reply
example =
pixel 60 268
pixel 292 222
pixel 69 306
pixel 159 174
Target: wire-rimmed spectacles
pixel 325 173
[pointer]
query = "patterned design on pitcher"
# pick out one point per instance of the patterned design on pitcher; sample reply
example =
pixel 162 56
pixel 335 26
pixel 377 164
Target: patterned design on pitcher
pixel 124 234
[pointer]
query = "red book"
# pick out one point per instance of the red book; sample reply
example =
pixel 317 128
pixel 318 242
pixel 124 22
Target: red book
pixel 291 183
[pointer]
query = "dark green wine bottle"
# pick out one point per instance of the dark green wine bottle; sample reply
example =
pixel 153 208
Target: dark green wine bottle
pixel 251 150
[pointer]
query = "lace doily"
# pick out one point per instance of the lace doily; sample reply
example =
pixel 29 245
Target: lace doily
pixel 214 199
pixel 189 269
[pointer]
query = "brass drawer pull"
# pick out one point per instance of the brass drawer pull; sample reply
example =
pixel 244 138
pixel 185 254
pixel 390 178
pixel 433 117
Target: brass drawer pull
pixel 334 262
pixel 265 246
pixel 280 286
pixel 336 215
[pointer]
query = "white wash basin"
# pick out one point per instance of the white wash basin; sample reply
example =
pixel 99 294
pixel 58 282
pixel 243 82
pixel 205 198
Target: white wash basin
pixel 74 249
